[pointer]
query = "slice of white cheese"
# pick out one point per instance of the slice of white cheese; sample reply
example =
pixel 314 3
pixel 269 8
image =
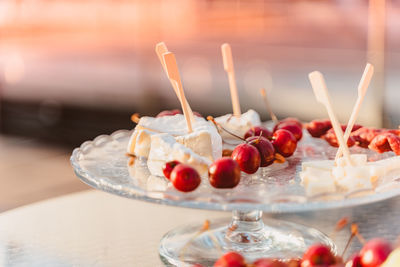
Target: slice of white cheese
pixel 360 175
pixel 238 126
pixel 317 181
pixel 352 178
pixel 164 148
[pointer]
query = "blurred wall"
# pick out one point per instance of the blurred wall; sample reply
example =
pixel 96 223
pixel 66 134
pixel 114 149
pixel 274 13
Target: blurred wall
pixel 99 55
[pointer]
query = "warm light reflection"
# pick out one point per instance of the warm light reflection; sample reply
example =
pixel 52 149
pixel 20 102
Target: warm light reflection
pixel 256 76
pixel 197 77
pixel 13 67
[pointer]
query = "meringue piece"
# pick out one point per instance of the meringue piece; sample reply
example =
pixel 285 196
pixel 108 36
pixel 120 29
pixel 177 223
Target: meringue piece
pixel 140 141
pixel 317 181
pixel 238 126
pixel 165 148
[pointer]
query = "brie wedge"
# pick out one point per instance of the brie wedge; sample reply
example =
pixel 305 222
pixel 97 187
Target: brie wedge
pixel 238 126
pixel 204 140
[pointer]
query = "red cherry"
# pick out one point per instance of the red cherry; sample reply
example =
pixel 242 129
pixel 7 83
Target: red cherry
pixel 257 131
pixel 185 178
pixel 168 167
pixel 293 120
pixel 230 259
pixel 289 120
pixel 265 262
pixel 317 255
pixel 169 113
pixel 294 263
pixel 317 128
pixel 293 128
pixel 354 261
pixel 224 173
pixel 284 142
pixel 375 252
pixel 248 157
pixel 265 148
pixel 330 137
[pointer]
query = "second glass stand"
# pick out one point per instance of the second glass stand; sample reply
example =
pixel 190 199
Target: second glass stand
pixel 245 233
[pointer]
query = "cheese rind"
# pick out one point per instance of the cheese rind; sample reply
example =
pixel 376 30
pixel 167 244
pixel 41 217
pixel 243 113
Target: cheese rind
pixel 238 126
pixel 139 143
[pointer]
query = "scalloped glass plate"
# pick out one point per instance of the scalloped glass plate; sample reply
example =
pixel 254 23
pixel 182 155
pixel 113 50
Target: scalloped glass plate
pixel 103 164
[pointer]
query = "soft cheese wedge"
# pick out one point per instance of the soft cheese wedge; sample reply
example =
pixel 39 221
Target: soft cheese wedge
pixel 317 181
pixel 204 140
pixel 238 126
pixel 164 148
pixel 360 175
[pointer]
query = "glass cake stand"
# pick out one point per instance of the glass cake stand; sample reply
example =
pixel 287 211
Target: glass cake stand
pixel 103 164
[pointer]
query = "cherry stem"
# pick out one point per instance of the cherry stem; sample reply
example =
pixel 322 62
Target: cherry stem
pixel 348 244
pixel 210 118
pixel 354 232
pixel 135 118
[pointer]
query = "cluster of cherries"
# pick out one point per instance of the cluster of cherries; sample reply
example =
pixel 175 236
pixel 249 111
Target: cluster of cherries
pixel 260 149
pixel 223 173
pixel 261 146
pixel 373 254
pixel 379 140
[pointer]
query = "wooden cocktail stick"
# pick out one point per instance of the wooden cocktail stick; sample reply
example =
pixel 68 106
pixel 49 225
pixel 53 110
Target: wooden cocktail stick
pixel 322 96
pixel 228 66
pixel 267 105
pixel 362 90
pixel 173 73
pixel 161 49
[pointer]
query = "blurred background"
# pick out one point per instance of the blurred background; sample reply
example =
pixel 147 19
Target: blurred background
pixel 71 70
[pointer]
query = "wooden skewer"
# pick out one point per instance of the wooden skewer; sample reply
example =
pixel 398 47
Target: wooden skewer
pixel 322 96
pixel 362 90
pixel 228 66
pixel 161 49
pixel 173 73
pixel 267 105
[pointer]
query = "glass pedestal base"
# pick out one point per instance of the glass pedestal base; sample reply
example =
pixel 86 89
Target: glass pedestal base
pixel 244 233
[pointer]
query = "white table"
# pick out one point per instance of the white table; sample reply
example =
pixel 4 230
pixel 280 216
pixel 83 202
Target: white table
pixel 93 228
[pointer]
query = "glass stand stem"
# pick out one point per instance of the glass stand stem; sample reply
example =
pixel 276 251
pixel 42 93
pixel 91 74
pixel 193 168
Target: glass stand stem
pixel 246 228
